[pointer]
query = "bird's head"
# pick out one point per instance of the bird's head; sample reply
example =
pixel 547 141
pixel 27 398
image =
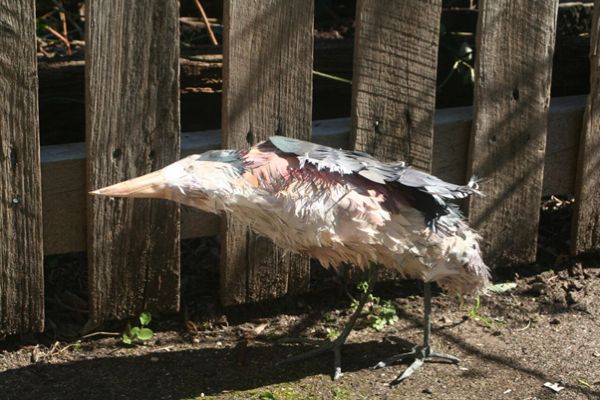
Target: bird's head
pixel 203 181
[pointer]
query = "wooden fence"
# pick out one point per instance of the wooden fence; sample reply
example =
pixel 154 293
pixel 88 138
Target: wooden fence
pixel 524 144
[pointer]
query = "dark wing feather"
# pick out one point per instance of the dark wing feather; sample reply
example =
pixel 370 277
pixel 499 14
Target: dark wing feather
pixel 354 162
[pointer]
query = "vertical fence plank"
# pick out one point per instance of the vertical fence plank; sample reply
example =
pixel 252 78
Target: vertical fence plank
pixel 395 61
pixel 515 44
pixel 267 90
pixel 21 254
pixel 586 217
pixel 132 82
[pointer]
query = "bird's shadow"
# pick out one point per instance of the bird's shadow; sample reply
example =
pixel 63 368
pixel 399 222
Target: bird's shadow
pixel 183 374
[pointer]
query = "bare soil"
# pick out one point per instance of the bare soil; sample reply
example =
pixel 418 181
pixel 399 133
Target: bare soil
pixel 545 330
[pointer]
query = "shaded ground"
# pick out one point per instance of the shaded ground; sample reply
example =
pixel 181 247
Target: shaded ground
pixel 546 330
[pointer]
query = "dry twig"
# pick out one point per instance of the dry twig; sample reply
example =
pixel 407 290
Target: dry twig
pixel 60 7
pixel 213 39
pixel 40 44
pixel 93 334
pixel 61 38
pixel 63 22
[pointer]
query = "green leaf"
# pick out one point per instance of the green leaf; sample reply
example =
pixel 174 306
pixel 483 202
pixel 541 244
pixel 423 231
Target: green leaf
pixel 267 396
pixel 41 26
pixel 145 334
pixel 378 324
pixel 133 332
pixel 145 318
pixel 126 339
pixel 502 287
pixel 332 334
pixel 363 286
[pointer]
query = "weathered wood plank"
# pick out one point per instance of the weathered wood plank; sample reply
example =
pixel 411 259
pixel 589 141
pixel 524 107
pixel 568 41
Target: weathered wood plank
pixel 586 217
pixel 63 167
pixel 515 42
pixel 395 61
pixel 132 54
pixel 21 254
pixel 267 90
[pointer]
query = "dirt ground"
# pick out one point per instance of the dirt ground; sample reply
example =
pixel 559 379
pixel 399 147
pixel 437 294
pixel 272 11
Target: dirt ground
pixel 545 330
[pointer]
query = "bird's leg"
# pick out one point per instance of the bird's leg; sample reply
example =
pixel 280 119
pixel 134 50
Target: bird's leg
pixel 336 344
pixel 423 353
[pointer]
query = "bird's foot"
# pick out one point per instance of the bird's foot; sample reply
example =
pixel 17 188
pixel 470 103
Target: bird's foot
pixel 334 345
pixel 419 355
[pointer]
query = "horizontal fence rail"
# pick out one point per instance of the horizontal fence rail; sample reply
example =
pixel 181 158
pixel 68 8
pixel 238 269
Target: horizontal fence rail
pixel 63 167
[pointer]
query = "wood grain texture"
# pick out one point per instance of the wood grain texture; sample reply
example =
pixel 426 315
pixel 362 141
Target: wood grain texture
pixel 132 53
pixel 21 254
pixel 267 90
pixel 394 83
pixel 586 217
pixel 515 42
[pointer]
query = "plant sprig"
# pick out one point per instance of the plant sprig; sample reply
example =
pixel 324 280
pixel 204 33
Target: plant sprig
pixel 138 334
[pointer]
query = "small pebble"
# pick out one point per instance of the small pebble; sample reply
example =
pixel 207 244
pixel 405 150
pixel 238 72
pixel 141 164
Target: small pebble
pixel 427 391
pixel 219 343
pixel 555 321
pixel 596 354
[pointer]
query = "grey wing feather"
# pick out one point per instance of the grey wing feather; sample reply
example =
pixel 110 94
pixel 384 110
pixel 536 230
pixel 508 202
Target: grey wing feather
pixel 226 156
pixel 322 157
pixel 436 186
pixel 355 162
pixel 294 146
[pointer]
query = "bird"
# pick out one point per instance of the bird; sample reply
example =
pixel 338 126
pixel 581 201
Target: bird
pixel 339 207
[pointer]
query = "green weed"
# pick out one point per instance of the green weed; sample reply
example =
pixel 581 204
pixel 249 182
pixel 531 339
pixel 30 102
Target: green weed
pixel 332 334
pixel 138 334
pixel 473 313
pixel 380 314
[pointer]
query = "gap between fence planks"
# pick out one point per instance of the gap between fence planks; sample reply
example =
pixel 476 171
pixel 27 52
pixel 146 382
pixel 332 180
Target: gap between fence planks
pixel 21 253
pixel 267 90
pixel 132 97
pixel 513 66
pixel 586 217
pixel 63 168
pixel 394 83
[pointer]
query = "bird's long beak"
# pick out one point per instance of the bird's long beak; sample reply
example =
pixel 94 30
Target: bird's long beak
pixel 152 185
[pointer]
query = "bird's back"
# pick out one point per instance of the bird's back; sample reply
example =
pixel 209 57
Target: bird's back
pixel 347 207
